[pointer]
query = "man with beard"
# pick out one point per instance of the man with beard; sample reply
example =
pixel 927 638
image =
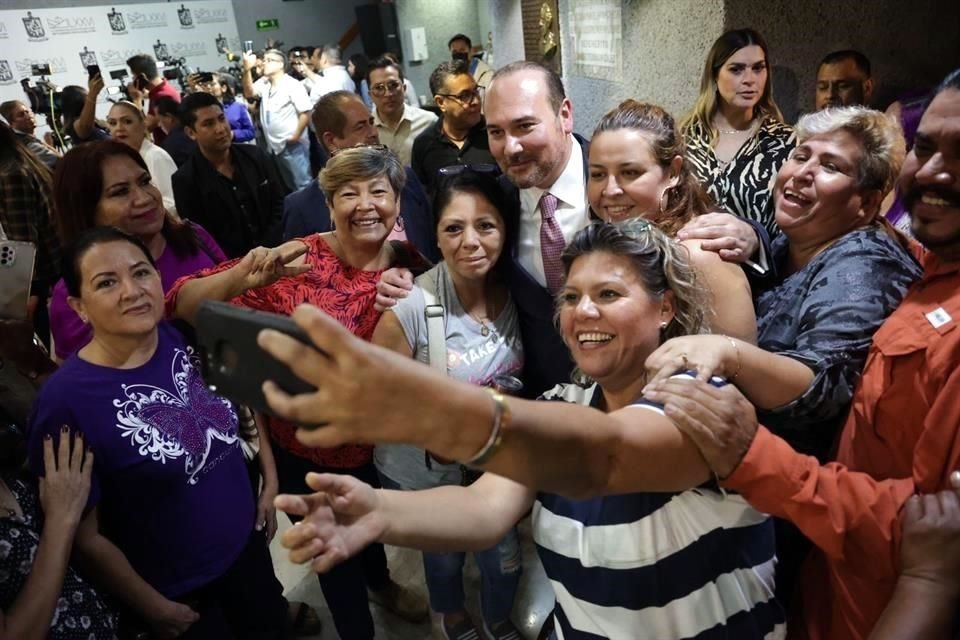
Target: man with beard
pixel 902 435
pixel 460 135
pixel 232 190
pixel 843 79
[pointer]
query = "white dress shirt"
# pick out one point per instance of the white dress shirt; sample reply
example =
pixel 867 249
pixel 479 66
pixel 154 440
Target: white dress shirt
pixel 573 213
pixel 400 138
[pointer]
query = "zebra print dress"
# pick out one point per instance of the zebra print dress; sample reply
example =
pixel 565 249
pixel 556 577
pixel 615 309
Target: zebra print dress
pixel 744 186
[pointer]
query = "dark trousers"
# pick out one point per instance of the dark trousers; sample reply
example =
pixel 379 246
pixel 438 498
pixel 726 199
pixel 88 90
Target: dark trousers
pixel 245 603
pixel 345 586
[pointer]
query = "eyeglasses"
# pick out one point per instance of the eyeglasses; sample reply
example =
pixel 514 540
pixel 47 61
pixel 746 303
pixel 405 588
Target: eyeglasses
pixel 457 169
pixel 465 97
pixel 266 59
pixel 384 88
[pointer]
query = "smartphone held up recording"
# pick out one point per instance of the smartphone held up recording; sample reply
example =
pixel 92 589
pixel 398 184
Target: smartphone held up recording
pixel 233 364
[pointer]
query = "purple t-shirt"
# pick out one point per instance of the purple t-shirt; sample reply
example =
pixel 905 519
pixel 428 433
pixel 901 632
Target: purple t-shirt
pixel 70 334
pixel 169 477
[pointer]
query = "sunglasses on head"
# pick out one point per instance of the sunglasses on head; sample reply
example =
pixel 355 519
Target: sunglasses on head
pixel 457 169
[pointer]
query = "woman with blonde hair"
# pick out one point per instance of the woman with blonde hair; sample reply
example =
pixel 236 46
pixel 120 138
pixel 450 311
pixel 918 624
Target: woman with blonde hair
pixel 735 135
pixel 637 169
pixel 842 271
pixel 128 125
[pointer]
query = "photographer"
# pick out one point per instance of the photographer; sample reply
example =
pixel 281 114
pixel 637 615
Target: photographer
pixel 78 108
pixel 147 78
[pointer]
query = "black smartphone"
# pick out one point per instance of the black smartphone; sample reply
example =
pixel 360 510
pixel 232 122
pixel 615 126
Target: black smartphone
pixel 93 70
pixel 233 364
pixel 204 78
pixel 141 83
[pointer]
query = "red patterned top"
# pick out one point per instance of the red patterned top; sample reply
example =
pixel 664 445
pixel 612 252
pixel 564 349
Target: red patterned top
pixel 343 292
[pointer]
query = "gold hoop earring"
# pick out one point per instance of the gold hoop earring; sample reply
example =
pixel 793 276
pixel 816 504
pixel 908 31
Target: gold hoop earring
pixel 664 199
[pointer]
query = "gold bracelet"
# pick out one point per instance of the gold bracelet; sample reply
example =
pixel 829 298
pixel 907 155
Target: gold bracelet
pixel 736 350
pixel 501 417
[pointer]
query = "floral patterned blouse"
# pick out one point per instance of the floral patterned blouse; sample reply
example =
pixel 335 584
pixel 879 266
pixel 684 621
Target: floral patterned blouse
pixel 80 613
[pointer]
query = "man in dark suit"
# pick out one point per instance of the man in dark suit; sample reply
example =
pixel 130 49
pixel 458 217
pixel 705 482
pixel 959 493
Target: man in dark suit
pixel 232 190
pixel 341 120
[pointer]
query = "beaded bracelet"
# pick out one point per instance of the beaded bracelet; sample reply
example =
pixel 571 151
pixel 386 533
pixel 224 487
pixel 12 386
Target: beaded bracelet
pixel 736 350
pixel 501 417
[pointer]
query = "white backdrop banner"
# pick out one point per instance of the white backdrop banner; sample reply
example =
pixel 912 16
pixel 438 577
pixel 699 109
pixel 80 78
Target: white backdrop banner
pixel 70 39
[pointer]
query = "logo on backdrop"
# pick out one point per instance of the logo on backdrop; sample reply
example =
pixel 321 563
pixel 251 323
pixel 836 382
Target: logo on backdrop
pixel 57 65
pixel 60 26
pixel 34 27
pixel 116 57
pixel 160 50
pixel 117 25
pixel 221 43
pixel 3 31
pixel 6 73
pixel 210 16
pixel 141 20
pixel 188 49
pixel 186 19
pixel 88 58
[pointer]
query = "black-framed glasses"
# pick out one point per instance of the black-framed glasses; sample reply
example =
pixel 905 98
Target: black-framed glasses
pixel 383 88
pixel 457 169
pixel 465 97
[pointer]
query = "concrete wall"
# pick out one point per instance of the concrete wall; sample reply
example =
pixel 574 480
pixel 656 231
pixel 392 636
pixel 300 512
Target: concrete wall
pixel 910 44
pixel 308 23
pixel 441 19
pixel 507 31
pixel 664 42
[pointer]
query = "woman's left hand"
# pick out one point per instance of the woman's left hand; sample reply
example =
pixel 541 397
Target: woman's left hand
pixel 708 355
pixel 267 512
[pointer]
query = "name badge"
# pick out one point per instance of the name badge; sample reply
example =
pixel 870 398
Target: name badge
pixel 938 317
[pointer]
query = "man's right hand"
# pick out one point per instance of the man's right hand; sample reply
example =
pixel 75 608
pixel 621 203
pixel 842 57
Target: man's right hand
pixel 930 550
pixel 249 61
pixel 395 284
pixel 720 421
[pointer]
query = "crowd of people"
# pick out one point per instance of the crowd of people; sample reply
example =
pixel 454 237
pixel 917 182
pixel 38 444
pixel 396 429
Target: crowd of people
pixel 714 357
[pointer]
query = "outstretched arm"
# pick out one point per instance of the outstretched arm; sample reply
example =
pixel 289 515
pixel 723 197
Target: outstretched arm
pixel 261 267
pixel 388 398
pixel 346 515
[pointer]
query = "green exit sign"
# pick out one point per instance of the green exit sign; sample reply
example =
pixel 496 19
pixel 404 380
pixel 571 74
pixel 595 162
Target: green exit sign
pixel 268 25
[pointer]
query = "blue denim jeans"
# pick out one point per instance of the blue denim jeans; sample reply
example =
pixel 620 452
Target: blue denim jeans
pixel 294 165
pixel 500 568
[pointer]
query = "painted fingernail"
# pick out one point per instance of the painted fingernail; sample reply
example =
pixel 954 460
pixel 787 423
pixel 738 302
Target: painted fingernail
pixel 64 429
pixel 48 437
